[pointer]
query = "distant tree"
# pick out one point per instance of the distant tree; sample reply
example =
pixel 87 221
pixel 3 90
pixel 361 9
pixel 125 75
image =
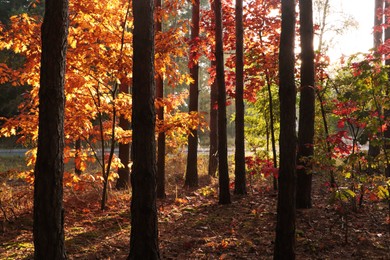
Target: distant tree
pixel 223 170
pixel 285 226
pixel 306 106
pixel 123 181
pixel 386 111
pixel 160 115
pixel 144 230
pixel 191 177
pixel 374 150
pixel 48 227
pixel 213 153
pixel 240 181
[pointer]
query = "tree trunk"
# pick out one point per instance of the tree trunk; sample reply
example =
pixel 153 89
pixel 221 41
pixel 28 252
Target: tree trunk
pixel 144 230
pixel 374 150
pixel 48 227
pixel 386 111
pixel 285 226
pixel 191 177
pixel 223 171
pixel 306 107
pixel 123 182
pixel 213 153
pixel 240 180
pixel 77 159
pixel 160 114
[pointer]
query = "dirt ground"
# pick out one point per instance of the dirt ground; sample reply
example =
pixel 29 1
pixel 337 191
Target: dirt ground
pixel 193 226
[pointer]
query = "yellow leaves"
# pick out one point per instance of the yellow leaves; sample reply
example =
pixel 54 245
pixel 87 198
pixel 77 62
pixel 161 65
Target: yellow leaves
pixel 72 42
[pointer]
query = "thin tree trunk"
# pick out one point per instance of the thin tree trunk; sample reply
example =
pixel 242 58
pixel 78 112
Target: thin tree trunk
pixel 77 159
pixel 386 111
pixel 160 115
pixel 191 177
pixel 285 226
pixel 240 178
pixel 374 150
pixel 306 107
pixel 224 193
pixel 123 182
pixel 144 230
pixel 48 227
pixel 213 153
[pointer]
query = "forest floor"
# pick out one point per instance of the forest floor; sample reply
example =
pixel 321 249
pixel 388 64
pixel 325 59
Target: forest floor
pixel 193 226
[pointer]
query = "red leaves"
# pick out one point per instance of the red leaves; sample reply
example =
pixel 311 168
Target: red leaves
pixel 255 165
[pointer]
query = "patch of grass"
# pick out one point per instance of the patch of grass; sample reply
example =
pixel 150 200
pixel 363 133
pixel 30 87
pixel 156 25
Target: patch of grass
pixel 12 163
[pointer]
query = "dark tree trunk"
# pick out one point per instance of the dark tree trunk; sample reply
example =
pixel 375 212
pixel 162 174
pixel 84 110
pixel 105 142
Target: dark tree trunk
pixel 374 150
pixel 48 227
pixel 77 147
pixel 144 230
pixel 223 171
pixel 213 153
pixel 160 114
pixel 240 180
pixel 191 177
pixel 123 181
pixel 285 226
pixel 306 106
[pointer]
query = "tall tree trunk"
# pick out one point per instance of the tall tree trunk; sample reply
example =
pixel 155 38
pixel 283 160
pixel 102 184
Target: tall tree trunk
pixel 191 177
pixel 123 182
pixel 160 114
pixel 77 159
pixel 386 111
pixel 374 150
pixel 144 230
pixel 223 171
pixel 48 227
pixel 306 106
pixel 285 226
pixel 240 180
pixel 213 153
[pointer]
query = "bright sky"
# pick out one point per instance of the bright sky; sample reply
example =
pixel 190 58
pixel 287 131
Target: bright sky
pixel 354 40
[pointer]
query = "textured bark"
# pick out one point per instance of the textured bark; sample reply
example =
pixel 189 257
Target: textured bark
pixel 48 227
pixel 285 226
pixel 144 231
pixel 191 177
pixel 240 180
pixel 123 181
pixel 161 136
pixel 306 106
pixel 223 171
pixel 213 153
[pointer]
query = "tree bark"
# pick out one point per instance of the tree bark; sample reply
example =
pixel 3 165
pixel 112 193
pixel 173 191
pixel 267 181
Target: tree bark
pixel 374 150
pixel 224 192
pixel 213 153
pixel 144 230
pixel 306 107
pixel 285 226
pixel 48 227
pixel 123 182
pixel 191 177
pixel 160 115
pixel 240 178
